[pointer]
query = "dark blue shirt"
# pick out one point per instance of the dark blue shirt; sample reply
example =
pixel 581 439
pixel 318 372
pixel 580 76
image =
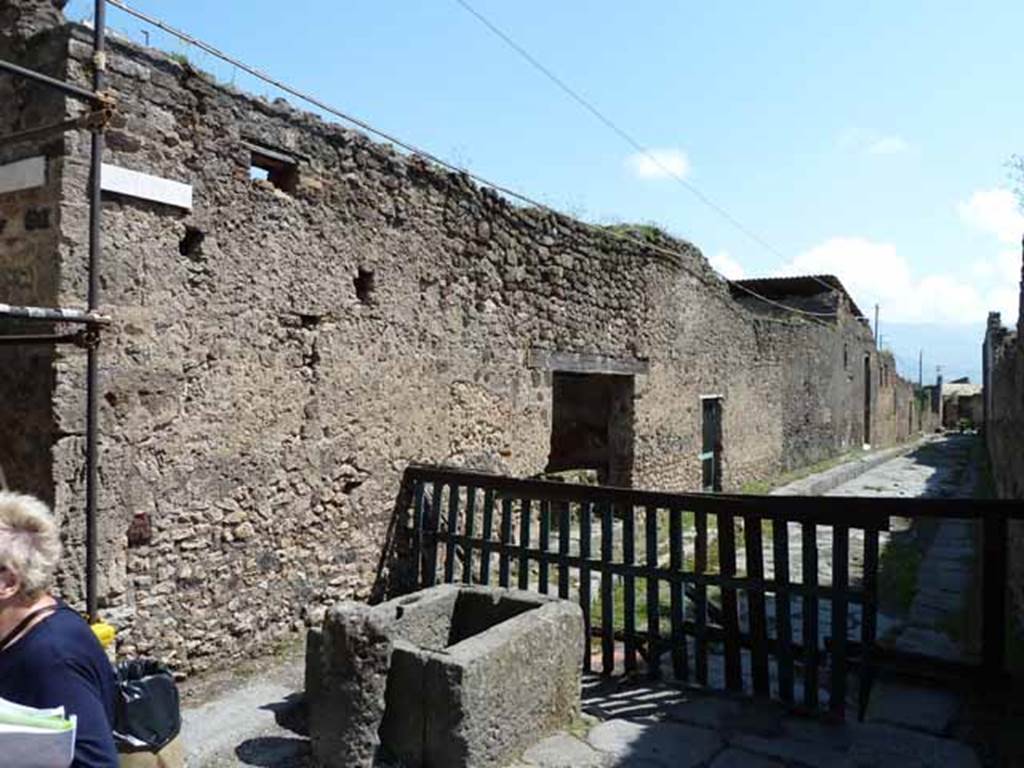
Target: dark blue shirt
pixel 61 663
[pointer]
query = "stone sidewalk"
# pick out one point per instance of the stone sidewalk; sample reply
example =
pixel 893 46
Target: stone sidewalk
pixel 942 468
pixel 626 724
pixel 658 726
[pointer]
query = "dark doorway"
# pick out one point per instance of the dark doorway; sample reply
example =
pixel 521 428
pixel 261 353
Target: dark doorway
pixel 711 443
pixel 592 425
pixel 867 399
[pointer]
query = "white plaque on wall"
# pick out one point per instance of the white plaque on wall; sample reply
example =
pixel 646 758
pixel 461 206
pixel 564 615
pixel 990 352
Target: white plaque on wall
pixel 146 187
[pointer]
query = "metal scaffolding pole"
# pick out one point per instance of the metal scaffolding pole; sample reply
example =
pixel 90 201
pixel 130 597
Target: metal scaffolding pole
pixel 92 361
pixel 50 314
pixel 39 77
pixel 80 338
pixel 83 121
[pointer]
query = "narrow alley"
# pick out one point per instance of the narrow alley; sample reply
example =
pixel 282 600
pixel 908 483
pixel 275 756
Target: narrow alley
pixel 927 568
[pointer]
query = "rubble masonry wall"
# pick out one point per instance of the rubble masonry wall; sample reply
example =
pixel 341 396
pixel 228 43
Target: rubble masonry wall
pixel 259 407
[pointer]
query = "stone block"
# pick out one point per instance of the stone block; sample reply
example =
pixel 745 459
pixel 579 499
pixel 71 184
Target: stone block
pixel 350 660
pixel 450 676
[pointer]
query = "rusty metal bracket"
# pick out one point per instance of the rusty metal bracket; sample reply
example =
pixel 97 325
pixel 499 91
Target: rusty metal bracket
pixel 98 119
pixel 88 338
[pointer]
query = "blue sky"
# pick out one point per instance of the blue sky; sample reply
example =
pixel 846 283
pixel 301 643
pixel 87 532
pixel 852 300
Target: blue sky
pixel 868 140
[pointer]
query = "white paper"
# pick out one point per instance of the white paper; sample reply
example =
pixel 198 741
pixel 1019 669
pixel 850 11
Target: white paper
pixel 20 709
pixel 35 746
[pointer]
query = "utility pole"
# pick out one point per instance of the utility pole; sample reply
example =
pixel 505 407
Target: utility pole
pixel 877 345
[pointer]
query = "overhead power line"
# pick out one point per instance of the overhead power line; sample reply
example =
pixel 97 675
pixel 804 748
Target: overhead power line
pixel 624 135
pixel 414 149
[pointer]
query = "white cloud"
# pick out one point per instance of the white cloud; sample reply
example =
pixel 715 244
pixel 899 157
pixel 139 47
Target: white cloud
pixel 858 141
pixel 727 266
pixel 875 272
pixel 887 145
pixel 659 164
pixel 995 212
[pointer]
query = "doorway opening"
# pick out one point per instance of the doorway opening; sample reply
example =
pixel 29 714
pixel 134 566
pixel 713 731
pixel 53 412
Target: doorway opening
pixel 592 425
pixel 867 401
pixel 711 444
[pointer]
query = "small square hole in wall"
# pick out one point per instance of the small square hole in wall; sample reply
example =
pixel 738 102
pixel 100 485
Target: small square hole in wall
pixel 279 169
pixel 190 244
pixel 365 285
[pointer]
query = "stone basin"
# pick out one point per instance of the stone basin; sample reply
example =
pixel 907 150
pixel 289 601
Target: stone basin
pixel 449 676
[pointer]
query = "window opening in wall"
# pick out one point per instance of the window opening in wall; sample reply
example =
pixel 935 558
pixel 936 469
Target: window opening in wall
pixel 592 425
pixel 365 285
pixel 267 164
pixel 846 356
pixel 711 443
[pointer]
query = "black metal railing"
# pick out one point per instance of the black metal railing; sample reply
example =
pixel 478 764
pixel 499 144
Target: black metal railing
pixel 661 580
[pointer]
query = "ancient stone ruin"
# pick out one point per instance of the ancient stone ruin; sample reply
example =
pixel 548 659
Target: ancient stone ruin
pixel 446 677
pixel 311 311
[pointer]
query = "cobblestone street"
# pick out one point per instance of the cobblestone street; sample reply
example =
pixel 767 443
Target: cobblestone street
pixel 906 725
pixel 941 468
pixel 642 726
pixel 633 723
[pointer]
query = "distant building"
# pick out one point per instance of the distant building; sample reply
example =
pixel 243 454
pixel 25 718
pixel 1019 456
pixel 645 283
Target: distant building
pixel 963 404
pixel 818 295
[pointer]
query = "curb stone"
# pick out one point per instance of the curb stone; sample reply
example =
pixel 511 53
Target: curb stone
pixel 823 482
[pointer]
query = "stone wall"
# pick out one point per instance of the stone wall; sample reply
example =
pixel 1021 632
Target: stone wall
pixel 29 271
pixel 1003 395
pixel 282 351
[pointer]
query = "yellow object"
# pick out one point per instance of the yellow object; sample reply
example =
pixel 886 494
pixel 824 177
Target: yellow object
pixel 104 633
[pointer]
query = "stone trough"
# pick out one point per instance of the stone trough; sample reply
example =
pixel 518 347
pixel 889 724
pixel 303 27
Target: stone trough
pixel 446 677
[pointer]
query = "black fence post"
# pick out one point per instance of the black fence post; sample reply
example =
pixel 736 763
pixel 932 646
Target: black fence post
pixel 993 584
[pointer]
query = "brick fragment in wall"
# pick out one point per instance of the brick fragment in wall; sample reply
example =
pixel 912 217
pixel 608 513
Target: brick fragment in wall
pixel 261 401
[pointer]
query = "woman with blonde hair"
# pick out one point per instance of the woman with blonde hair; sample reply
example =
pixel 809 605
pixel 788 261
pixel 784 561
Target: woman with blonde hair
pixel 49 656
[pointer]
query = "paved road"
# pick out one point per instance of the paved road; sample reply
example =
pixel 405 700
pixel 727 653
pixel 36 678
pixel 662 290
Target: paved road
pixel 640 725
pixel 257 722
pixel 942 467
pixel 905 724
